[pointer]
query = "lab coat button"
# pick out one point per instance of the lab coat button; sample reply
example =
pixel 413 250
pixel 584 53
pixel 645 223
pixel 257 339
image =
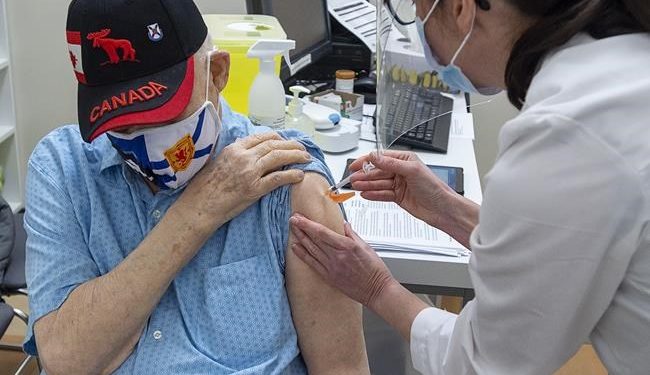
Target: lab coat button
pixel 157 335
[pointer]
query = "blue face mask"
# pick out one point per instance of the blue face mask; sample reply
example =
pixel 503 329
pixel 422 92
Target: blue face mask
pixel 450 74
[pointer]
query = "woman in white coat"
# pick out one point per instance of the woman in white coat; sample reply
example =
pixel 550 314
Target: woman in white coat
pixel 561 244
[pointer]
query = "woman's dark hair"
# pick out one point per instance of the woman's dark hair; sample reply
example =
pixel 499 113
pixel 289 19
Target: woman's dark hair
pixel 560 20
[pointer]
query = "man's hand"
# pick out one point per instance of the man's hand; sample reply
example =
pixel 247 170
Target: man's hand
pixel 244 172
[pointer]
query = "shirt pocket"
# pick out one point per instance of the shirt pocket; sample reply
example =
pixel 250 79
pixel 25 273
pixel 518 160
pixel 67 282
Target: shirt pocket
pixel 245 315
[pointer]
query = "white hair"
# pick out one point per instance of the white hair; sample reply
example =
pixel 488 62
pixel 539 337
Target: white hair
pixel 206 47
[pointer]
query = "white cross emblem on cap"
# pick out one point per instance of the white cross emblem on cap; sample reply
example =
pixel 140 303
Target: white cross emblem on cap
pixel 155 32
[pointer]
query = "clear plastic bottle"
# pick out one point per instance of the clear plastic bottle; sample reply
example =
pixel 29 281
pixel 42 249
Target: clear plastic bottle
pixel 345 81
pixel 266 99
pixel 296 118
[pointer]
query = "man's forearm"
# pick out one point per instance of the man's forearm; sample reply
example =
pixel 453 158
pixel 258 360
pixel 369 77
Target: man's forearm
pixel 96 329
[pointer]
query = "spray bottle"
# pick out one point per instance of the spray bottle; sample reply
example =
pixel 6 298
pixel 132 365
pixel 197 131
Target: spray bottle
pixel 266 100
pixel 296 119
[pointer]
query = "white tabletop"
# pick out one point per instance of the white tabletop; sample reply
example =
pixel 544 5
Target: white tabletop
pixel 428 269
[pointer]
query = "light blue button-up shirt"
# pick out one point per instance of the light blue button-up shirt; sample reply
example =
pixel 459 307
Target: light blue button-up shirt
pixel 226 312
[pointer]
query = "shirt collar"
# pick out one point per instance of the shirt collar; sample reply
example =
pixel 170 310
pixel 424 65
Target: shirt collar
pixel 110 156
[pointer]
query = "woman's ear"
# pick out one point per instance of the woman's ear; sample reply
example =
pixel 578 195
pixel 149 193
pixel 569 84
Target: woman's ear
pixel 464 13
pixel 220 69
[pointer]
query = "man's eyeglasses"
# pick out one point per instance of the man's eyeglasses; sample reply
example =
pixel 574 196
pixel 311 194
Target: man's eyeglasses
pixel 404 10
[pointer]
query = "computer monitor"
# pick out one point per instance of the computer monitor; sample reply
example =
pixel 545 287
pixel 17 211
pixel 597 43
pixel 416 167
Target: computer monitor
pixel 306 22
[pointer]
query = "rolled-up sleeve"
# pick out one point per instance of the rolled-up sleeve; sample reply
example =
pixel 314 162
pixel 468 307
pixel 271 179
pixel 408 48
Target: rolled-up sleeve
pixel 280 199
pixel 558 228
pixel 57 259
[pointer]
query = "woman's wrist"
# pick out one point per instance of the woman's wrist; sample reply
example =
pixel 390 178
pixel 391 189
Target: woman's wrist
pixel 398 307
pixel 443 211
pixel 382 294
pixel 460 219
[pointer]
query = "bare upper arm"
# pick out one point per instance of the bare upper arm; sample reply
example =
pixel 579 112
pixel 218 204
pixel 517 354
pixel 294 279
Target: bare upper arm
pixel 329 325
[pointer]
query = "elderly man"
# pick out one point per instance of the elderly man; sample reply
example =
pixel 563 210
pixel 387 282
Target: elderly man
pixel 158 245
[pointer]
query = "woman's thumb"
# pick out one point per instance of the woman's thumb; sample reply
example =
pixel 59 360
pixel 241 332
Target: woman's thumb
pixel 350 233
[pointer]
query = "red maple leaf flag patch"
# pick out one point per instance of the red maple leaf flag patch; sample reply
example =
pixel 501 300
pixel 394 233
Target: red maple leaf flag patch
pixel 74 46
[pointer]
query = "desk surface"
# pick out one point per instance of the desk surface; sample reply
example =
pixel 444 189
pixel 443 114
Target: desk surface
pixel 427 269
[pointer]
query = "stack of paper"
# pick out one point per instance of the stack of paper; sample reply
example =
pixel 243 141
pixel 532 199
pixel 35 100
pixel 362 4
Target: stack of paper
pixel 359 17
pixel 386 226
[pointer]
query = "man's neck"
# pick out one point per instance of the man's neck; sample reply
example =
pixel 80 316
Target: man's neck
pixel 153 187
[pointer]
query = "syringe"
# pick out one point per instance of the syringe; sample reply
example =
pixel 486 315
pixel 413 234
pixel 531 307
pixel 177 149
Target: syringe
pixel 367 167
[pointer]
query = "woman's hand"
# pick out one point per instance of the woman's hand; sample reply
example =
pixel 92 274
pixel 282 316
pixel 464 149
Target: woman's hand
pixel 345 262
pixel 242 173
pixel 350 265
pixel 402 178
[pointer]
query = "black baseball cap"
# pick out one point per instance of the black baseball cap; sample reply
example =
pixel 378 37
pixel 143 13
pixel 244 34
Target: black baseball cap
pixel 133 60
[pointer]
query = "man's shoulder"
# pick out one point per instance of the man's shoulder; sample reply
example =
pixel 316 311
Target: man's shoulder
pixel 63 151
pixel 236 126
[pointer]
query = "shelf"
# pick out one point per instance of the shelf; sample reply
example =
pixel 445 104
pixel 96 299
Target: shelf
pixel 6 132
pixel 16 206
pixel 4 63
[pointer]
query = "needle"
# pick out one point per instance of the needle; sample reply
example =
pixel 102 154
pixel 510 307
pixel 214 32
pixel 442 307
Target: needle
pixel 343 182
pixel 367 167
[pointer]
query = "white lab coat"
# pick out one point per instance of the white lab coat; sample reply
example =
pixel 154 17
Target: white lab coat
pixel 562 252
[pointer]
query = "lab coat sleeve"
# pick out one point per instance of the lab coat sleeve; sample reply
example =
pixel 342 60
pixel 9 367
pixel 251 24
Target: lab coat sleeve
pixel 557 230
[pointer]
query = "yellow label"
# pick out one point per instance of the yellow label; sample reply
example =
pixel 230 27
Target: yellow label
pixel 181 154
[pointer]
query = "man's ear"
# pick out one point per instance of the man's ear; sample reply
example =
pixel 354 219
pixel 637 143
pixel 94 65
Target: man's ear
pixel 220 69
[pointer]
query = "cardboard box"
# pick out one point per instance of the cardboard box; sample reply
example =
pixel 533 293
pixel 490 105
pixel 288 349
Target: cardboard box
pixel 350 105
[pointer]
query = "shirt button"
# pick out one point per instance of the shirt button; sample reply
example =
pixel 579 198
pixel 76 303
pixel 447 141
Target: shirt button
pixel 157 335
pixel 156 214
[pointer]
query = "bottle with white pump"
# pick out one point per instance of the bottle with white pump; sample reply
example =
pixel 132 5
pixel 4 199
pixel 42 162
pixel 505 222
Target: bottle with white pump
pixel 266 100
pixel 296 118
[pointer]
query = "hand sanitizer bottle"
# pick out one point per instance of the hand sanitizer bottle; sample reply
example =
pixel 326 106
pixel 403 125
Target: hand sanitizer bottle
pixel 266 102
pixel 296 119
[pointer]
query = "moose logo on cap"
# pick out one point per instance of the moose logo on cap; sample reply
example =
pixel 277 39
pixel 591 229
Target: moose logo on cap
pixel 112 47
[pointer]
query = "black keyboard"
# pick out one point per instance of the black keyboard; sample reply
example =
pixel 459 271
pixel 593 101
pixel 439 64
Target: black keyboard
pixel 416 105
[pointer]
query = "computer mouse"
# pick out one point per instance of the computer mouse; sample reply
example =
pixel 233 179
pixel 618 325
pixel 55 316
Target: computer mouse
pixel 367 87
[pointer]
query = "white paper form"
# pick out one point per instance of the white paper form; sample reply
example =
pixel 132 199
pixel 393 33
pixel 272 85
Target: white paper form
pixel 359 17
pixel 368 132
pixel 386 226
pixel 462 126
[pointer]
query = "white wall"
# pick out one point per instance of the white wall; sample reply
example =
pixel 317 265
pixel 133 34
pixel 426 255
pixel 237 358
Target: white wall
pixel 44 85
pixel 488 120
